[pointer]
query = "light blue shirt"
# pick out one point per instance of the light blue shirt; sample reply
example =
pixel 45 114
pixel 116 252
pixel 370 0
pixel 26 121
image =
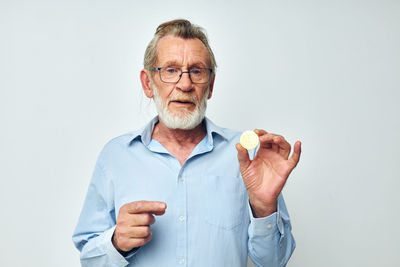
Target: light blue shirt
pixel 208 221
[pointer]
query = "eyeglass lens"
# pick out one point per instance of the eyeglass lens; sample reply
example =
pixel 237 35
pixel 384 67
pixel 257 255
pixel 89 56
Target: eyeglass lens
pixel 173 75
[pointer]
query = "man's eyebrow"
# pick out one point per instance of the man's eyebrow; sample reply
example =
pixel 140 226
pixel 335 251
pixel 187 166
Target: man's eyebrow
pixel 175 64
pixel 171 64
pixel 198 65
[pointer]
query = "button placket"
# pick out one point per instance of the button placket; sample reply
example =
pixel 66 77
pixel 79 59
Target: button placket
pixel 181 220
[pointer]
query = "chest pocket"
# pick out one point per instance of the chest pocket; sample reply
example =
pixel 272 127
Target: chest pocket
pixel 227 206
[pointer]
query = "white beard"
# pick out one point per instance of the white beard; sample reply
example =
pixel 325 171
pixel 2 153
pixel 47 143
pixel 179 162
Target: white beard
pixel 185 120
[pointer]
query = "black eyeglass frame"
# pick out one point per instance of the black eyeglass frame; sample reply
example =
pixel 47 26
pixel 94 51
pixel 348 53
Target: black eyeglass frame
pixel 182 72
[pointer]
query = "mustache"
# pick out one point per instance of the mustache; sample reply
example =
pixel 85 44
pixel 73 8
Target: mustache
pixel 183 98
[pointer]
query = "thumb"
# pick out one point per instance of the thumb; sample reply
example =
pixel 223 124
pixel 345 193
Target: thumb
pixel 294 159
pixel 243 157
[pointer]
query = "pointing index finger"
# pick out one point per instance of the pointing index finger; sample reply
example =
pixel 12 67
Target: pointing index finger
pixel 154 207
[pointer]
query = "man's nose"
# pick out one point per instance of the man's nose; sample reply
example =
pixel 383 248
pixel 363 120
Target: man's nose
pixel 185 83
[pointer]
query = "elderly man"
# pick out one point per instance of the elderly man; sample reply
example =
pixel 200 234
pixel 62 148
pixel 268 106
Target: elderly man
pixel 182 191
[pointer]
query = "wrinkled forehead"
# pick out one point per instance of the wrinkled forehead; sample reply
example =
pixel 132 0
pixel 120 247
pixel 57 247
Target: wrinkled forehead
pixel 182 52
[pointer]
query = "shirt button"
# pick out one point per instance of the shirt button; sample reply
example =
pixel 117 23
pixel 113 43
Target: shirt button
pixel 269 226
pixel 181 218
pixel 181 261
pixel 181 179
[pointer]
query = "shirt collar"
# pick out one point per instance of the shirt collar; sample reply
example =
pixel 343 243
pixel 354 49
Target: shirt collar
pixel 144 134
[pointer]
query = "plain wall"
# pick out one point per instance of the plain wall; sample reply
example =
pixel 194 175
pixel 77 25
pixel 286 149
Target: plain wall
pixel 323 72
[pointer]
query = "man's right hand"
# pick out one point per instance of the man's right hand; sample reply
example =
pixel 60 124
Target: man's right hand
pixel 133 224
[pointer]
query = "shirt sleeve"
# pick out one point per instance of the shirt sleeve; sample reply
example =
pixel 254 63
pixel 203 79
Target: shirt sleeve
pixel 271 242
pixel 95 228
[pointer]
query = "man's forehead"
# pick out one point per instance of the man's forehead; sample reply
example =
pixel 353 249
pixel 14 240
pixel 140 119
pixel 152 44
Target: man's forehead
pixel 175 49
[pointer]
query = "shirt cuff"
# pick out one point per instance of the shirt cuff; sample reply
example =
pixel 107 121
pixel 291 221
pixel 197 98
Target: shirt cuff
pixel 266 226
pixel 113 254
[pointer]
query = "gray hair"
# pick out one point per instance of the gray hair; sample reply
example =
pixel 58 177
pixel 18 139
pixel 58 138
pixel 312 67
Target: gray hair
pixel 180 28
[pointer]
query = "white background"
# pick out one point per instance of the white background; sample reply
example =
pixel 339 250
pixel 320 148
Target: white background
pixel 324 72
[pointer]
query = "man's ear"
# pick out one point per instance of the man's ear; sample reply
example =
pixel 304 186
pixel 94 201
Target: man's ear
pixel 211 87
pixel 146 84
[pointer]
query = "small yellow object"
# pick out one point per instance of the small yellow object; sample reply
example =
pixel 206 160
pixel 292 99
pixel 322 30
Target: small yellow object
pixel 249 140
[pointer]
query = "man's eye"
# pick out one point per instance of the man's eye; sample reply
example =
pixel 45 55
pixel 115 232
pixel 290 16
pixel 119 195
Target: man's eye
pixel 171 70
pixel 195 71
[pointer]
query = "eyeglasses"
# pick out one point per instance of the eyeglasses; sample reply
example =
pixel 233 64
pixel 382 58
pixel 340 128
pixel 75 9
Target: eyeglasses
pixel 173 74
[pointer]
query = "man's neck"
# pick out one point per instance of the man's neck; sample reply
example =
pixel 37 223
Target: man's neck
pixel 178 137
pixel 180 143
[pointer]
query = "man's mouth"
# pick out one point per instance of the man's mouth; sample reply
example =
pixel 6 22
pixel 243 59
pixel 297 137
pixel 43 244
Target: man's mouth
pixel 183 101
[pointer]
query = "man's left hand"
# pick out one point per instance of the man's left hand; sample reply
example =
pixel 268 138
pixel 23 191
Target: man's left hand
pixel 266 174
